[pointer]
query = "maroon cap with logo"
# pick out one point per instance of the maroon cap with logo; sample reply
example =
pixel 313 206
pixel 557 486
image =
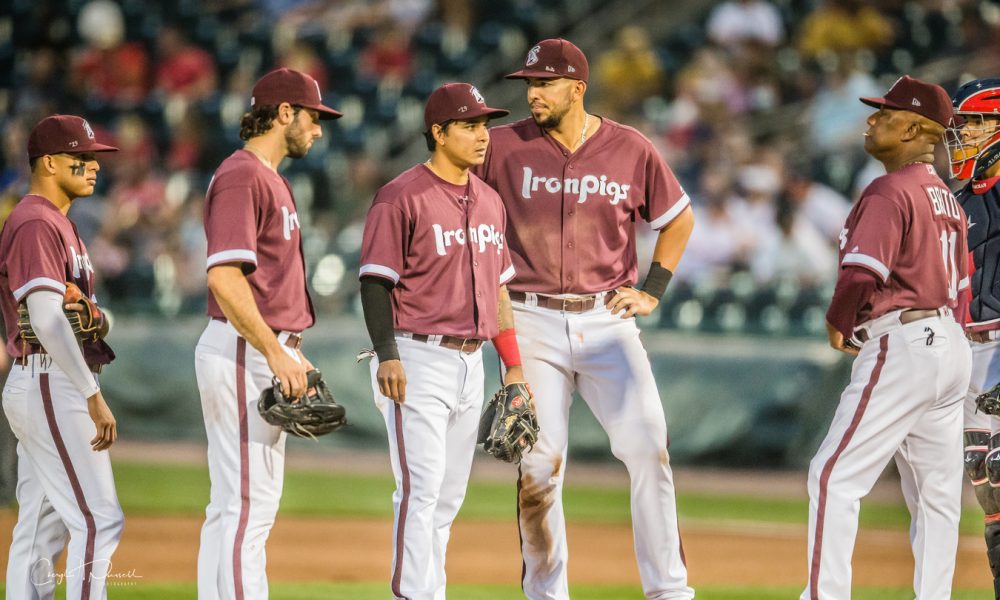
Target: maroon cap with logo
pixel 457 102
pixel 293 87
pixel 925 99
pixel 60 134
pixel 552 59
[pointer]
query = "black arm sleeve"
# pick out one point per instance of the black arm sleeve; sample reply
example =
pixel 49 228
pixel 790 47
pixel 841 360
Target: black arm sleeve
pixel 376 302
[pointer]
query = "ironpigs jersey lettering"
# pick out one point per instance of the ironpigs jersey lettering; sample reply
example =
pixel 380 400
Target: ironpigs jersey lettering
pixel 251 220
pixel 982 207
pixel 443 247
pixel 40 249
pixel 573 214
pixel 908 229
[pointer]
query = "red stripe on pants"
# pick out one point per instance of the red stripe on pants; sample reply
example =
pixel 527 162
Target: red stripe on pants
pixel 824 479
pixel 241 402
pixel 74 481
pixel 397 574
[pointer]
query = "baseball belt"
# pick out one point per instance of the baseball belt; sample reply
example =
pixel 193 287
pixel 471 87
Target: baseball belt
pixel 450 342
pixel 983 337
pixel 905 317
pixel 578 304
pixel 24 360
pixel 293 341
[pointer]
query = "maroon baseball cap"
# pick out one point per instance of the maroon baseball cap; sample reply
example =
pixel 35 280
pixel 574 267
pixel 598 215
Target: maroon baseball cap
pixel 293 87
pixel 925 99
pixel 58 134
pixel 552 59
pixel 457 102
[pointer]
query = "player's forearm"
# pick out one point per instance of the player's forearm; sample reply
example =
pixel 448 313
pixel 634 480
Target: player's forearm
pixel 855 287
pixel 45 309
pixel 376 303
pixel 505 311
pixel 673 239
pixel 232 291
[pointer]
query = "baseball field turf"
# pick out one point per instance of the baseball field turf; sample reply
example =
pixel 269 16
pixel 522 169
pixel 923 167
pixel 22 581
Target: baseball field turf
pixel 344 519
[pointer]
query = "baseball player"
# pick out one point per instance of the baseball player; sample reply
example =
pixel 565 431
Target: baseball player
pixel 434 262
pixel 259 306
pixel 52 399
pixel 975 156
pixel 574 184
pixel 903 263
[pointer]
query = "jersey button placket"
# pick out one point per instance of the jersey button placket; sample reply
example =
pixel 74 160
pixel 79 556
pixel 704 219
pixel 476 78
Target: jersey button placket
pixel 569 234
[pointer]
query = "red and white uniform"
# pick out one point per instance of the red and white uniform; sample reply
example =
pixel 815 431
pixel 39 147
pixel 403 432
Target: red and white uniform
pixel 64 489
pixel 444 248
pixel 907 384
pixel 251 221
pixel 572 233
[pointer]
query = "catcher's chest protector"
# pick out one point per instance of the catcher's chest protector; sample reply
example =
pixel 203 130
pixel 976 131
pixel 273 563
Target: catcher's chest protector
pixel 983 212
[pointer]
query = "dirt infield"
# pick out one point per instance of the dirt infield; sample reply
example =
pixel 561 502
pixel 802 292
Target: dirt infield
pixel 302 549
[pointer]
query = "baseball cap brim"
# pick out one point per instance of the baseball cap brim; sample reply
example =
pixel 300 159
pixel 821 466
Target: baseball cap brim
pixel 92 147
pixel 880 102
pixel 537 74
pixel 325 112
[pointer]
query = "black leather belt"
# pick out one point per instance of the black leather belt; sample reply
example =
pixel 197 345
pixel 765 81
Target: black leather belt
pixel 574 305
pixel 293 341
pixel 906 317
pixel 450 342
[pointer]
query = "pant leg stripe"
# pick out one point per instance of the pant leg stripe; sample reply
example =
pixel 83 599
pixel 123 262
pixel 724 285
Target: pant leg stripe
pixel 520 534
pixel 824 479
pixel 397 575
pixel 74 481
pixel 241 408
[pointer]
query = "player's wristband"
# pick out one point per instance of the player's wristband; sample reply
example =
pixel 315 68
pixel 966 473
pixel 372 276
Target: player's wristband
pixel 506 345
pixel 657 280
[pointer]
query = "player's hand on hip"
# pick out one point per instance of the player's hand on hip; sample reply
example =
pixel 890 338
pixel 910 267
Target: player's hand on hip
pixel 632 302
pixel 290 373
pixel 391 380
pixel 104 421
pixel 838 342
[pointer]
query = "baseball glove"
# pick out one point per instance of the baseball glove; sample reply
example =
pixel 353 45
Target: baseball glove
pixel 312 415
pixel 989 401
pixel 87 325
pixel 508 427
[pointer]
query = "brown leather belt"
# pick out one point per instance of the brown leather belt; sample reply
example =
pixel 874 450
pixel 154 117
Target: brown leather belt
pixel 573 305
pixel 23 361
pixel 452 343
pixel 293 341
pixel 906 317
pixel 983 337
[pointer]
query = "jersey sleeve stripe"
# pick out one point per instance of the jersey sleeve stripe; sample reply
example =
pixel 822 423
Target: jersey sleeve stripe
pixel 867 261
pixel 373 269
pixel 228 256
pixel 963 284
pixel 39 282
pixel 665 219
pixel 507 275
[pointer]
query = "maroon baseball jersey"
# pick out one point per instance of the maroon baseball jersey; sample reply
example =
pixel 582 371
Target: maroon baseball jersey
pixel 444 247
pixel 572 215
pixel 40 249
pixel 908 229
pixel 251 220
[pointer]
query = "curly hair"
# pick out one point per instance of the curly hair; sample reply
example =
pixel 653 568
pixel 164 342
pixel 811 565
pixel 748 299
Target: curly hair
pixel 260 120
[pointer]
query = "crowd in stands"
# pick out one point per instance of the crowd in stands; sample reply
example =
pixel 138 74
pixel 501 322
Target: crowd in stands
pixel 754 106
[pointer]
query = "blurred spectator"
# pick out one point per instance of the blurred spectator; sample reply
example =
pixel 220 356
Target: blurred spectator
pixel 15 176
pixel 628 73
pixel 42 85
pixel 820 205
pixel 836 118
pixel 844 26
pixel 302 56
pixel 797 253
pixel 736 23
pixel 388 55
pixel 183 70
pixel 109 69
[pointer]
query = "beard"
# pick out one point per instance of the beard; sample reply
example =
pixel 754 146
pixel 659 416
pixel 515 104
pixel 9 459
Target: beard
pixel 298 145
pixel 552 120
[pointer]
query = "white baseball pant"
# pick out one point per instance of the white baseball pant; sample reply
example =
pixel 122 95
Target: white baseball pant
pixel 63 487
pixel 246 465
pixel 432 439
pixel 904 401
pixel 600 355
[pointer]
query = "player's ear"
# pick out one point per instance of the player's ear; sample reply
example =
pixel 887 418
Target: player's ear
pixel 579 89
pixel 286 113
pixel 438 133
pixel 47 163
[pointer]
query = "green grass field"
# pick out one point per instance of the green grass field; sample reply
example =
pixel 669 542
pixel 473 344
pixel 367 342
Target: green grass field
pixel 183 490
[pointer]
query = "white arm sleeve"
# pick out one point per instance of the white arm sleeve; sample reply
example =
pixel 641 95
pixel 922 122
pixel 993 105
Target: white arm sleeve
pixel 45 309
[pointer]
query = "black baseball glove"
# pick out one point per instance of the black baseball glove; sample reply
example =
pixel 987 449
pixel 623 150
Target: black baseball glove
pixel 989 401
pixel 508 428
pixel 312 415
